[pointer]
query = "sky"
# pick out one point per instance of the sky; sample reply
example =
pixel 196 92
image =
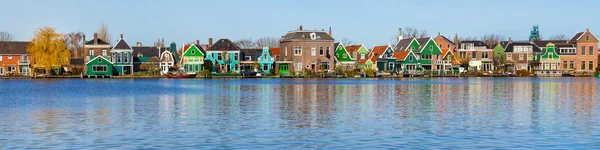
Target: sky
pixel 369 22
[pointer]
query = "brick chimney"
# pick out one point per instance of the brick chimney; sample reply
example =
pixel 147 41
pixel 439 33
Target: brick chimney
pixel 198 42
pixel 587 30
pixel 210 42
pixel 300 28
pixel 330 32
pixel 509 39
pixel 121 36
pixel 84 39
pixel 95 38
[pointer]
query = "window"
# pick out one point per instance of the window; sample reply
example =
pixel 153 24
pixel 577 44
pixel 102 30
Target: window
pixel 265 67
pixel 582 65
pixel 103 52
pixel 362 56
pixel 9 57
pixel 219 57
pixel 119 57
pixel 324 66
pixel 430 47
pixel 565 65
pixel 99 60
pixel 193 52
pixel 285 51
pixel 298 66
pixel 582 50
pixel 248 58
pixel 125 57
pixel 313 51
pixel 297 50
pixel 484 55
pixel 591 53
pixel 99 68
pixel 550 56
pixel 114 56
pixel 572 65
pixel 412 49
pixel 345 55
pixel 313 36
pixel 0 57
pixel 91 52
pixel 529 56
pixel 521 56
pixel 591 65
pixel 12 68
pixel 474 55
pixel 391 66
pixel 410 58
pixel 321 51
pixel 236 56
pixel 587 38
pixel 448 46
pixel 10 46
pixel 327 51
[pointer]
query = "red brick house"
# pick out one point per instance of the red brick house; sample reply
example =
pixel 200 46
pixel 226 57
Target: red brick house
pixel 14 59
pixel 308 49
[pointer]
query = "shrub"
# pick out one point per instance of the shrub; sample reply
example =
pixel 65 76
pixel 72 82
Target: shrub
pixel 350 73
pixel 206 74
pixel 370 72
pixel 597 70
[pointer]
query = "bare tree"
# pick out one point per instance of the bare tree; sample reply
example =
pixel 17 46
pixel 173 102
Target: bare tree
pixel 160 42
pixel 469 38
pixel 245 43
pixel 267 42
pixel 5 36
pixel 103 33
pixel 347 41
pixel 490 39
pixel 412 32
pixel 74 42
pixel 558 37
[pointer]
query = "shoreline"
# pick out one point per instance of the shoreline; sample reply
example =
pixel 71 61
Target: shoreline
pixel 285 77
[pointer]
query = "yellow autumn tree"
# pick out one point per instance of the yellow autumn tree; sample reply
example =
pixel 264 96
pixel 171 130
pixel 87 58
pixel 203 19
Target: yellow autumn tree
pixel 48 49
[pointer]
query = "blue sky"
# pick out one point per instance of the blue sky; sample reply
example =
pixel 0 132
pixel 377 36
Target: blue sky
pixel 367 22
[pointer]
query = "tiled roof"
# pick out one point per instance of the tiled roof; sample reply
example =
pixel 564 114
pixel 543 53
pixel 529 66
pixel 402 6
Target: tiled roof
pixel 13 48
pixel 574 38
pixel 305 35
pixel 77 61
pixel 148 51
pixel 275 51
pixel 475 43
pixel 546 42
pixel 403 44
pixel 353 48
pixel 401 55
pixel 224 45
pixel 122 45
pixel 510 46
pixel 254 52
pixel 422 42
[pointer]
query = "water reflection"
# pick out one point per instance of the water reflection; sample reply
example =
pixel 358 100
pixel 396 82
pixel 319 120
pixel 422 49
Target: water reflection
pixel 235 113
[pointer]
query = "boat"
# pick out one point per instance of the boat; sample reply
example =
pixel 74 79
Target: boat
pixel 249 74
pixel 180 74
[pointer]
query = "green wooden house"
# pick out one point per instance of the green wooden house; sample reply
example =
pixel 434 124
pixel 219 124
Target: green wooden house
pixel 100 66
pixel 386 60
pixel 428 52
pixel 193 58
pixel 225 56
pixel 406 62
pixel 266 60
pixel 549 62
pixel 122 57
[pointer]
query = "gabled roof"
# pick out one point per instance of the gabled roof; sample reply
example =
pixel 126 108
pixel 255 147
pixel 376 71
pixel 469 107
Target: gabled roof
pixel 100 41
pixel 304 35
pixel 401 55
pixel 574 38
pixel 353 48
pixel 13 48
pixel 543 43
pixel 254 52
pixel 148 51
pixel 422 43
pixel 448 40
pixel 403 44
pixel 186 47
pixel 374 54
pixel 98 57
pixel 510 46
pixel 122 45
pixel 224 45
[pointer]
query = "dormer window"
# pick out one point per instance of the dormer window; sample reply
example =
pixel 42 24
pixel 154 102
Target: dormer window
pixel 313 36
pixel 248 58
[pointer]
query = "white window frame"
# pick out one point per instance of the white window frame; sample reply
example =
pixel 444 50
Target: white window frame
pixel 103 52
pixel 286 51
pixel 509 56
pixel 313 51
pixel 9 57
pixel 298 66
pixel 521 57
pixel 410 58
pixel 362 56
pixel 248 58
pixel 297 50
pixel 0 57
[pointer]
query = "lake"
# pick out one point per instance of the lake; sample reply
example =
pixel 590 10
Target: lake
pixel 415 113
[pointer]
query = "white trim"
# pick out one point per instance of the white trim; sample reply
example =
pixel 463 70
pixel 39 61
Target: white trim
pixel 97 46
pixel 99 57
pixel 194 45
pixel 584 33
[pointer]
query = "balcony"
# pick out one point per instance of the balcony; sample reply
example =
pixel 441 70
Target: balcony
pixel 23 62
pixel 443 62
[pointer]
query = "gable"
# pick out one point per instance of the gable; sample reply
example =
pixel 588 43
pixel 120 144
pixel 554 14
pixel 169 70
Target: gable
pixel 193 48
pixel 99 60
pixel 414 45
pixel 363 50
pixel 584 38
pixel 431 48
pixel 122 45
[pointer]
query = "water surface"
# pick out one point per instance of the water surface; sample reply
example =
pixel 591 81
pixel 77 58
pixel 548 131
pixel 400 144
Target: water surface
pixel 503 113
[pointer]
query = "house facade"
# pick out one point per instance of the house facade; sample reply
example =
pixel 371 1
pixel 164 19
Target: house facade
pixel 406 62
pixel 265 60
pixel 100 66
pixel 385 59
pixel 225 56
pixel 308 50
pixel 122 58
pixel 478 54
pixel 249 60
pixel 14 59
pixel 580 53
pixel 147 58
pixel 97 48
pixel 549 62
pixel 344 57
pixel 192 60
pixel 520 55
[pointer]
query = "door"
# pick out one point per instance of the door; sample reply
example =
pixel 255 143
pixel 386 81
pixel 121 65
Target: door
pixel 1 71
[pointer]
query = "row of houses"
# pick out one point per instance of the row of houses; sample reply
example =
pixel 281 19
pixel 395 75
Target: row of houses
pixel 316 50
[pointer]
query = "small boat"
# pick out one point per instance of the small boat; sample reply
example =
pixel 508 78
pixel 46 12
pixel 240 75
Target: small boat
pixel 249 74
pixel 180 74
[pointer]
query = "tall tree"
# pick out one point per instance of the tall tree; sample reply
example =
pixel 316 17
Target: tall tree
pixel 103 33
pixel 559 37
pixel 160 42
pixel 267 42
pixel 5 36
pixel 48 49
pixel 346 41
pixel 490 39
pixel 74 42
pixel 245 43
